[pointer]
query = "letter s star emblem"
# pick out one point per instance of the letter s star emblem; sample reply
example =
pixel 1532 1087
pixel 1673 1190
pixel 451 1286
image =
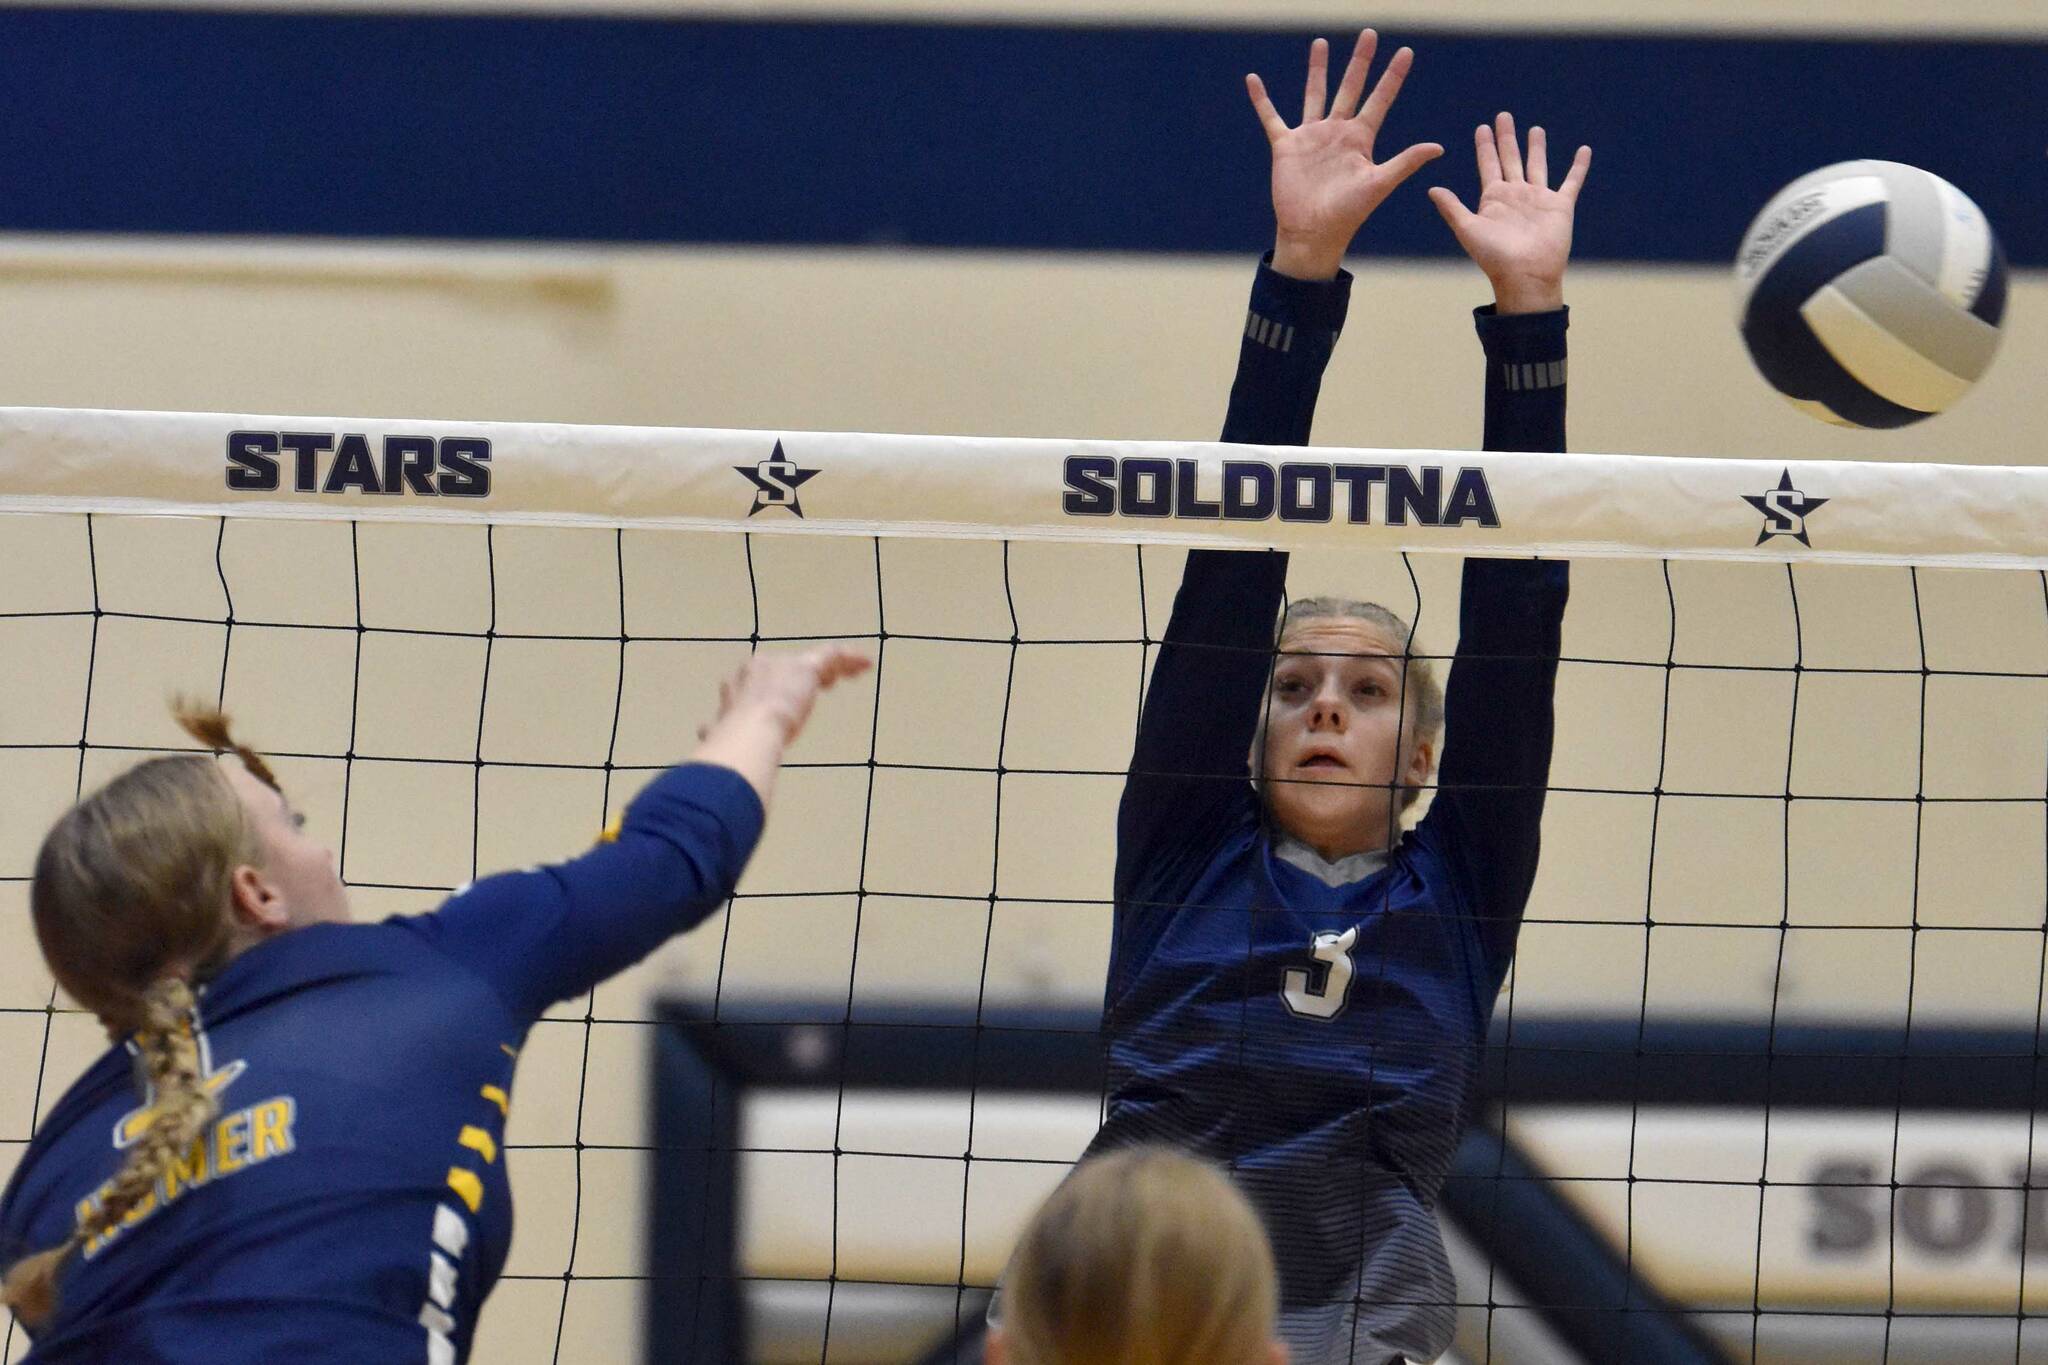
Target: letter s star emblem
pixel 1785 510
pixel 775 481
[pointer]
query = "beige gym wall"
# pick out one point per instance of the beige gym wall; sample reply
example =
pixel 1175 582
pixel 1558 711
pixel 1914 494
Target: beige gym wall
pixel 888 340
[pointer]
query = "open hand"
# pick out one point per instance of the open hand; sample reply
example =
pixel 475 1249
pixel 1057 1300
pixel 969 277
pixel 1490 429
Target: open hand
pixel 781 687
pixel 1325 181
pixel 763 706
pixel 1521 235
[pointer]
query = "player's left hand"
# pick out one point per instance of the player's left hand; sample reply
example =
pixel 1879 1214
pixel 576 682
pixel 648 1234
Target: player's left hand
pixel 1521 235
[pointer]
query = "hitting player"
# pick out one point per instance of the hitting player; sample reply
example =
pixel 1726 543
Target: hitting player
pixel 291 1152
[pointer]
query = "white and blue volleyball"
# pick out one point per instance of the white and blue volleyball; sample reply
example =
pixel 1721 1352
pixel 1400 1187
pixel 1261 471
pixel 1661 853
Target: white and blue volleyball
pixel 1871 293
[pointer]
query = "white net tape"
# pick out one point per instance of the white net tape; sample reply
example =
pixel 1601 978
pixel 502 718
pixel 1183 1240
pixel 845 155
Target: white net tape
pixel 1150 492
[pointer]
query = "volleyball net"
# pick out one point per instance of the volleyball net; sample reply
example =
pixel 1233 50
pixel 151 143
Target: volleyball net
pixel 1770 1044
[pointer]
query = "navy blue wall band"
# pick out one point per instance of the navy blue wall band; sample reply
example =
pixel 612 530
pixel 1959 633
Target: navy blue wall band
pixel 998 136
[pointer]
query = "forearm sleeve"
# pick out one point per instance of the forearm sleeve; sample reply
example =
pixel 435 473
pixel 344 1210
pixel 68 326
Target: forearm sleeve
pixel 554 932
pixel 1525 378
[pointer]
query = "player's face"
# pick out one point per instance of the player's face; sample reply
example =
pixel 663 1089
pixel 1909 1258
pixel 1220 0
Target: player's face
pixel 298 867
pixel 1339 736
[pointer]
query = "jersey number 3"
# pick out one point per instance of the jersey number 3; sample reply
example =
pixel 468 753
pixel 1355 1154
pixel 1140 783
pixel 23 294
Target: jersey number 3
pixel 1318 992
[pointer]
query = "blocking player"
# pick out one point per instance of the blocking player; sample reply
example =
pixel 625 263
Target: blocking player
pixel 291 1152
pixel 1298 987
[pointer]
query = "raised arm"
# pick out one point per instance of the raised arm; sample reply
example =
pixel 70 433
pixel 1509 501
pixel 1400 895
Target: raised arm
pixel 1498 714
pixel 1191 760
pixel 1195 732
pixel 554 932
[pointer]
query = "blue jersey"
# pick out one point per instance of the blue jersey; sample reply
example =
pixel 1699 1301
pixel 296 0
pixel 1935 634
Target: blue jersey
pixel 350 1203
pixel 1320 1030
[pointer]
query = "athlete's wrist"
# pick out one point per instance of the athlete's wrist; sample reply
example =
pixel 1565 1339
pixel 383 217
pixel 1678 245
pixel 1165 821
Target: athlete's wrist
pixel 1514 294
pixel 767 717
pixel 1307 258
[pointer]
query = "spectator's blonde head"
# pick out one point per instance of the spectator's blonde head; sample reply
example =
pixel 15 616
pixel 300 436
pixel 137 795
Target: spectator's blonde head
pixel 1143 1257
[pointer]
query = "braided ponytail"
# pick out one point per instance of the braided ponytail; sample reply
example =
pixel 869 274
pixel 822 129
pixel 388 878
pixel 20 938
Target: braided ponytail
pixel 183 1107
pixel 211 727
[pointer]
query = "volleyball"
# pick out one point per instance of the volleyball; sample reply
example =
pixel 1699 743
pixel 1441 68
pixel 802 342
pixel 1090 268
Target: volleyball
pixel 1870 293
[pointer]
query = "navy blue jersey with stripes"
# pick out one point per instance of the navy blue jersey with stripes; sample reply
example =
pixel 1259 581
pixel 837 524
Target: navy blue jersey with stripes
pixel 1320 1038
pixel 351 1203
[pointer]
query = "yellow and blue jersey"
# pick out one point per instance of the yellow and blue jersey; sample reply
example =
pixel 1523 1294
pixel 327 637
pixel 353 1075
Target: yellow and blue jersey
pixel 1318 1029
pixel 350 1202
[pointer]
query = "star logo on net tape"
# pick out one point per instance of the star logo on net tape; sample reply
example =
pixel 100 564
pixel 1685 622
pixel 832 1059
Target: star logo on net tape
pixel 1785 510
pixel 775 481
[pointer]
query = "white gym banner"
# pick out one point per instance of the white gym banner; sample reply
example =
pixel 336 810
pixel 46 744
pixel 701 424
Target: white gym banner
pixel 1157 492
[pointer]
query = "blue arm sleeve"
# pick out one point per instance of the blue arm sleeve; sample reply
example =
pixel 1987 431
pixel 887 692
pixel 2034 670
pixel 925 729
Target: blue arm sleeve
pixel 1201 709
pixel 13 1238
pixel 1498 715
pixel 552 933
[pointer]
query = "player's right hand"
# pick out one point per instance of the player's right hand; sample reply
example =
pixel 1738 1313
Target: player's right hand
pixel 782 687
pixel 1325 181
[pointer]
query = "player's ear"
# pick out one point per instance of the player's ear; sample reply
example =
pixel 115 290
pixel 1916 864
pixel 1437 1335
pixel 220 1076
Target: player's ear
pixel 1421 758
pixel 256 903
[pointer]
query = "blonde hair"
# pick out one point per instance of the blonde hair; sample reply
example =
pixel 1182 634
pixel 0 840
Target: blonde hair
pixel 1142 1257
pixel 1422 695
pixel 131 905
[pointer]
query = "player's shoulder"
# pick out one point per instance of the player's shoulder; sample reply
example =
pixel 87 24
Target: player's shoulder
pixel 478 907
pixel 109 1077
pixel 1430 855
pixel 317 951
pixel 1185 848
pixel 1213 827
pixel 284 969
